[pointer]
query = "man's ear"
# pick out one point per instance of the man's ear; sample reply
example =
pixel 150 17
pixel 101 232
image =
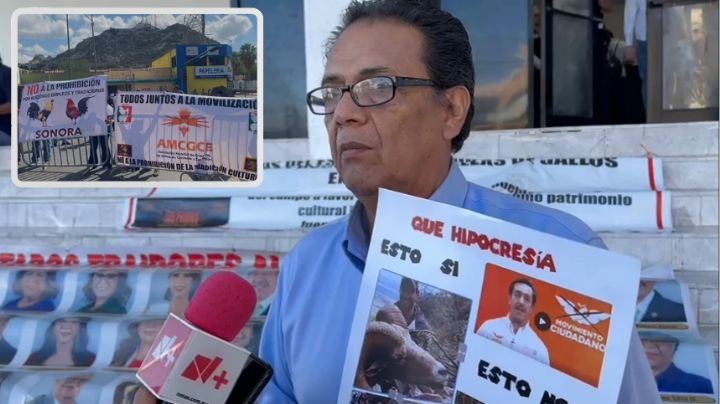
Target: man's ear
pixel 457 102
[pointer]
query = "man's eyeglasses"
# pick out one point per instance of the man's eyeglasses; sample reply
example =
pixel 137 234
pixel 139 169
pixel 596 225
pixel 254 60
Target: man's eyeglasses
pixel 369 92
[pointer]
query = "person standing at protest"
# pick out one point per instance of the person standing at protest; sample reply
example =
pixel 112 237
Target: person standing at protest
pixel 397 101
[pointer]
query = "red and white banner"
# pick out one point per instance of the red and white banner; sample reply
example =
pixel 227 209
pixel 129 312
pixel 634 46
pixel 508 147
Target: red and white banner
pixel 63 109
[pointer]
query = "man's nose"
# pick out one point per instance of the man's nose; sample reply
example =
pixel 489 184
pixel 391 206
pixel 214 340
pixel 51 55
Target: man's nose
pixel 347 110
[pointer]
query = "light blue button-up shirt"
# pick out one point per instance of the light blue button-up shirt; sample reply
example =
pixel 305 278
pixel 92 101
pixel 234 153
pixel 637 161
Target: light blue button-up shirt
pixel 308 326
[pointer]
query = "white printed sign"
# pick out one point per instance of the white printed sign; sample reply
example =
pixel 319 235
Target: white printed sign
pixel 189 133
pixel 602 211
pixel 319 177
pixel 444 289
pixel 63 109
pixel 212 71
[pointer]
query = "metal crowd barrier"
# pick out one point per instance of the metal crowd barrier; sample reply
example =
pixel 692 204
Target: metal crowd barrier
pixel 73 152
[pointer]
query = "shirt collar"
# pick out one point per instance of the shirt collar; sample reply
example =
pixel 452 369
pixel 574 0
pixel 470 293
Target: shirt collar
pixel 510 327
pixel 452 191
pixel 644 303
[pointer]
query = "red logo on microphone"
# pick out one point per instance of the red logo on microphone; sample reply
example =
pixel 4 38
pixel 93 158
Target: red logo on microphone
pixel 203 367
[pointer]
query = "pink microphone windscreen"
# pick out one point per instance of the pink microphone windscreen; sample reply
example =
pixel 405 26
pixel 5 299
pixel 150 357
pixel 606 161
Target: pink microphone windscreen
pixel 222 305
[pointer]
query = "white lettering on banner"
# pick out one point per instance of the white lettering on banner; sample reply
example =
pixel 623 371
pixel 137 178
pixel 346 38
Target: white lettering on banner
pixel 284 212
pixel 58 133
pixel 319 177
pixel 183 145
pixel 212 71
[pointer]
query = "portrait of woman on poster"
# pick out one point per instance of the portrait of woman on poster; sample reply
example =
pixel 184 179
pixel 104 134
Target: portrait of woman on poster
pixel 125 392
pixel 181 288
pixel 249 337
pixel 65 344
pixel 133 348
pixel 106 292
pixel 36 288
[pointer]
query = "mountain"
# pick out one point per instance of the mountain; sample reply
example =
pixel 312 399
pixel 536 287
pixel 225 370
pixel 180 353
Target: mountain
pixel 124 48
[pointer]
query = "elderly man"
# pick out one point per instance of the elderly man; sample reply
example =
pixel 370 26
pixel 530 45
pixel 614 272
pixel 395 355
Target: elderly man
pixel 397 100
pixel 513 330
pixel 652 306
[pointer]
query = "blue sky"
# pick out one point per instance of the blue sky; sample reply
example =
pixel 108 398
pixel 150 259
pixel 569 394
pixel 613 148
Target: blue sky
pixel 47 35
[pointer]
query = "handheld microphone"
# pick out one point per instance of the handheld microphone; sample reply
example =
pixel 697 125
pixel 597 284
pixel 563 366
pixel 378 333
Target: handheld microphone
pixel 193 362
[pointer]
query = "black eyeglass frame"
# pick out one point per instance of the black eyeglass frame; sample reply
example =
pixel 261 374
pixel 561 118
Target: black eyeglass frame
pixel 397 81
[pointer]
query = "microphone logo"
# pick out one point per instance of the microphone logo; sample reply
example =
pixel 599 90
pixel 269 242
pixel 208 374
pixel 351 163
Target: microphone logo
pixel 203 367
pixel 165 350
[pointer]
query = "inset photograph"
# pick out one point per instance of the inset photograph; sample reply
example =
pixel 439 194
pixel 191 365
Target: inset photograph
pixel 264 281
pixel 171 292
pixel 550 324
pixel 10 337
pixel 53 389
pixel 249 337
pixel 134 341
pixel 105 292
pixel 660 305
pixel 65 342
pixel 412 340
pixel 680 367
pixel 34 291
pixel 112 96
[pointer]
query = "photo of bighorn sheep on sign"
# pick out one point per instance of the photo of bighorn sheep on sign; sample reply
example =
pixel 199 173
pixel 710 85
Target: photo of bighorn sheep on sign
pixel 412 340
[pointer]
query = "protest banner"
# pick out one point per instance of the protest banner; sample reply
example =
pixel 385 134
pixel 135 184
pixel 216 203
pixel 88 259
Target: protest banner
pixel 319 177
pixel 474 277
pixel 189 133
pixel 602 211
pixel 63 109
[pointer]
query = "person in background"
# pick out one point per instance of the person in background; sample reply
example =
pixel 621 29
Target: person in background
pixel 660 350
pixel 654 307
pixel 65 345
pixel 37 289
pixel 65 391
pixel 102 141
pixel 7 351
pixel 181 288
pixel 133 349
pixel 635 28
pixel 106 292
pixel 264 282
pixel 5 94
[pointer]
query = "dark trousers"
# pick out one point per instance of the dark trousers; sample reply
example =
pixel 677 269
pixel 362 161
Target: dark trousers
pixel 36 145
pixel 101 141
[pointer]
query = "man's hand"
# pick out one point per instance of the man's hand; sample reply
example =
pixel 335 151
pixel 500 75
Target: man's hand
pixel 631 56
